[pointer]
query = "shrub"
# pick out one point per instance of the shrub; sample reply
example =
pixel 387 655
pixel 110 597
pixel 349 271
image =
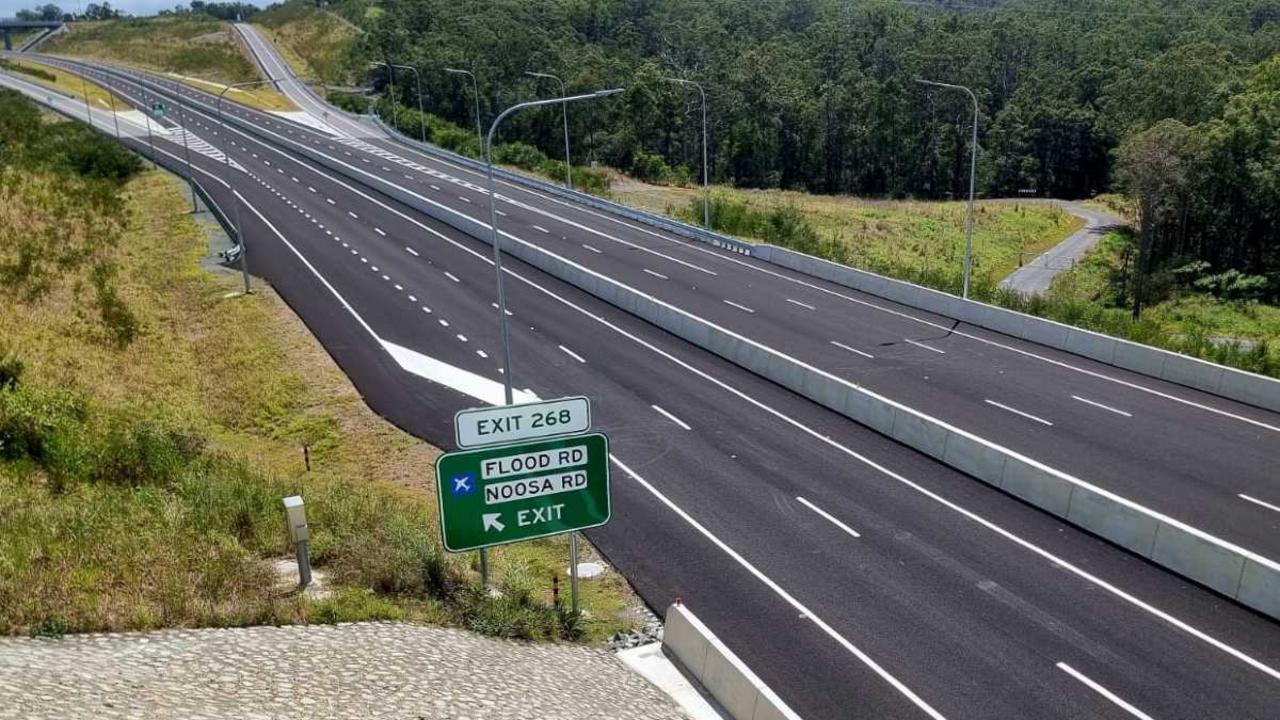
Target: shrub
pixel 521 155
pixel 119 319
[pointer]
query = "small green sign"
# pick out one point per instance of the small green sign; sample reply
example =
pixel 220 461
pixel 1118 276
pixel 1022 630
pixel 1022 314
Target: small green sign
pixel 505 494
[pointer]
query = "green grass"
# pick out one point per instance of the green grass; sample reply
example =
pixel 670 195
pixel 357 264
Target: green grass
pixel 909 239
pixel 315 42
pixel 1237 333
pixel 55 78
pixel 197 49
pixel 141 477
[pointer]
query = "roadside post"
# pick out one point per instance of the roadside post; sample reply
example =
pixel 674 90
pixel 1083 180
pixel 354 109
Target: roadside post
pixel 523 472
pixel 300 534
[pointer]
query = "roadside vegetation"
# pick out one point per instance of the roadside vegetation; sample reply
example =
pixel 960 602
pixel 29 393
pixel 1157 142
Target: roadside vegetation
pixel 151 420
pixel 315 42
pixel 59 80
pixel 194 48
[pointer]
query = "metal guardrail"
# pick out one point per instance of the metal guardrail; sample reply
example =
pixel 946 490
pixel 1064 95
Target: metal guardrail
pixel 653 220
pixel 216 211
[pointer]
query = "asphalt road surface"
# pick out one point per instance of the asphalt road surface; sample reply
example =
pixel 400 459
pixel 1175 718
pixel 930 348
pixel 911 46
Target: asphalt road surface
pixel 855 576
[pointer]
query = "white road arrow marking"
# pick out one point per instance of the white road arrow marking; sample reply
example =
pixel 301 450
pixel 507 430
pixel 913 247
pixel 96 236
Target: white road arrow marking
pixel 491 521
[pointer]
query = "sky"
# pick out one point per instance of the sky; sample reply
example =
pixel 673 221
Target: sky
pixel 135 7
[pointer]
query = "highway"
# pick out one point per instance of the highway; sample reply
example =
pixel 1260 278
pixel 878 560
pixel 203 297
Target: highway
pixel 857 577
pixel 1195 457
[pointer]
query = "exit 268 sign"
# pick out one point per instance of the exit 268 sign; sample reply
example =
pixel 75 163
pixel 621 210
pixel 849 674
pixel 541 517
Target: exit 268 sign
pixel 498 495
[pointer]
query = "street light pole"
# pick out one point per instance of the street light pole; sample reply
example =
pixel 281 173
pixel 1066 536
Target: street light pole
pixel 226 157
pixel 706 188
pixel 475 89
pixel 186 149
pixel 422 115
pixel 973 171
pixel 146 114
pixel 115 116
pixel 564 107
pixel 508 393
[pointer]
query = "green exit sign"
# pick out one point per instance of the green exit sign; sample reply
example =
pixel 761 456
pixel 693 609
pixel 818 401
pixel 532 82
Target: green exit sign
pixel 505 494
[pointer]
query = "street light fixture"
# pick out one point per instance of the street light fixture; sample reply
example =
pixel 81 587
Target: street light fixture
pixel 475 88
pixel 226 157
pixel 564 107
pixel 973 170
pixel 706 188
pixel 508 393
pixel 422 120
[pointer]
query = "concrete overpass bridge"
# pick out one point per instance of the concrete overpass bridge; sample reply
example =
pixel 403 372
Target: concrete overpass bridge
pixel 8 26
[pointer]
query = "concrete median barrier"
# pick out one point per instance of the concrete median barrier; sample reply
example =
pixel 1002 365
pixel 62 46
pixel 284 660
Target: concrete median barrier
pixel 1239 385
pixel 1233 571
pixel 743 695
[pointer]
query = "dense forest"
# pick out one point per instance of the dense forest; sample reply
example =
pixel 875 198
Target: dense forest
pixel 1175 100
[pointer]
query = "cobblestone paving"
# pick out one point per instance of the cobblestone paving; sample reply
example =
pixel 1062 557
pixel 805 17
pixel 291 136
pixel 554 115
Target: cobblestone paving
pixel 364 670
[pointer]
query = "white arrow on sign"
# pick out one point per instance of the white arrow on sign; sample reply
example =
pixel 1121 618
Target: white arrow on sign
pixel 493 521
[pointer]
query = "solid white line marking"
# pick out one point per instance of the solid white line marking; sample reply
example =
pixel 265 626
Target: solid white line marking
pixel 740 307
pixel 671 417
pixel 806 306
pixel 1256 501
pixel 828 516
pixel 853 350
pixel 1103 692
pixel 379 231
pixel 1016 411
pixel 926 347
pixel 572 354
pixel 452 277
pixel 541 229
pixel 412 252
pixel 598 252
pixel 656 274
pixel 1100 405
pixel 863 657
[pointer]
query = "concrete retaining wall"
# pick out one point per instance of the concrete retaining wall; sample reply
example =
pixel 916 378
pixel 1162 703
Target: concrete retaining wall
pixel 1233 571
pixel 1192 372
pixel 727 678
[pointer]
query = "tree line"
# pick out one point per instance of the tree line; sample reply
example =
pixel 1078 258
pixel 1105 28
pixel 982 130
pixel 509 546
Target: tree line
pixel 821 95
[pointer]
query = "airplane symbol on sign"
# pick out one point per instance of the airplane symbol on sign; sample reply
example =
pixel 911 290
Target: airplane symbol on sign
pixel 463 484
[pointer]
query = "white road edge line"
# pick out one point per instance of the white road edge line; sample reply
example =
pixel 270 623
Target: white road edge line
pixel 930 348
pixel 1016 411
pixel 671 417
pixel 1256 501
pixel 863 657
pixel 1096 404
pixel 827 516
pixel 853 350
pixel 1103 692
pixel 571 354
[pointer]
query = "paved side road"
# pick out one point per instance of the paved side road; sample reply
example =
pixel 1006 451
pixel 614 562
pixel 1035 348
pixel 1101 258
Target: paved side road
pixel 363 670
pixel 1035 277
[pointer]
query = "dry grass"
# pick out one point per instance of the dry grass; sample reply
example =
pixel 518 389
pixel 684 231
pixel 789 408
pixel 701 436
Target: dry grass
pixel 315 42
pixel 201 51
pixel 62 81
pixel 914 235
pixel 247 373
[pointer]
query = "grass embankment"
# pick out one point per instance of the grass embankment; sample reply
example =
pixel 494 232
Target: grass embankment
pixel 57 79
pixel 196 49
pixel 1190 312
pixel 902 238
pixel 151 420
pixel 316 43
